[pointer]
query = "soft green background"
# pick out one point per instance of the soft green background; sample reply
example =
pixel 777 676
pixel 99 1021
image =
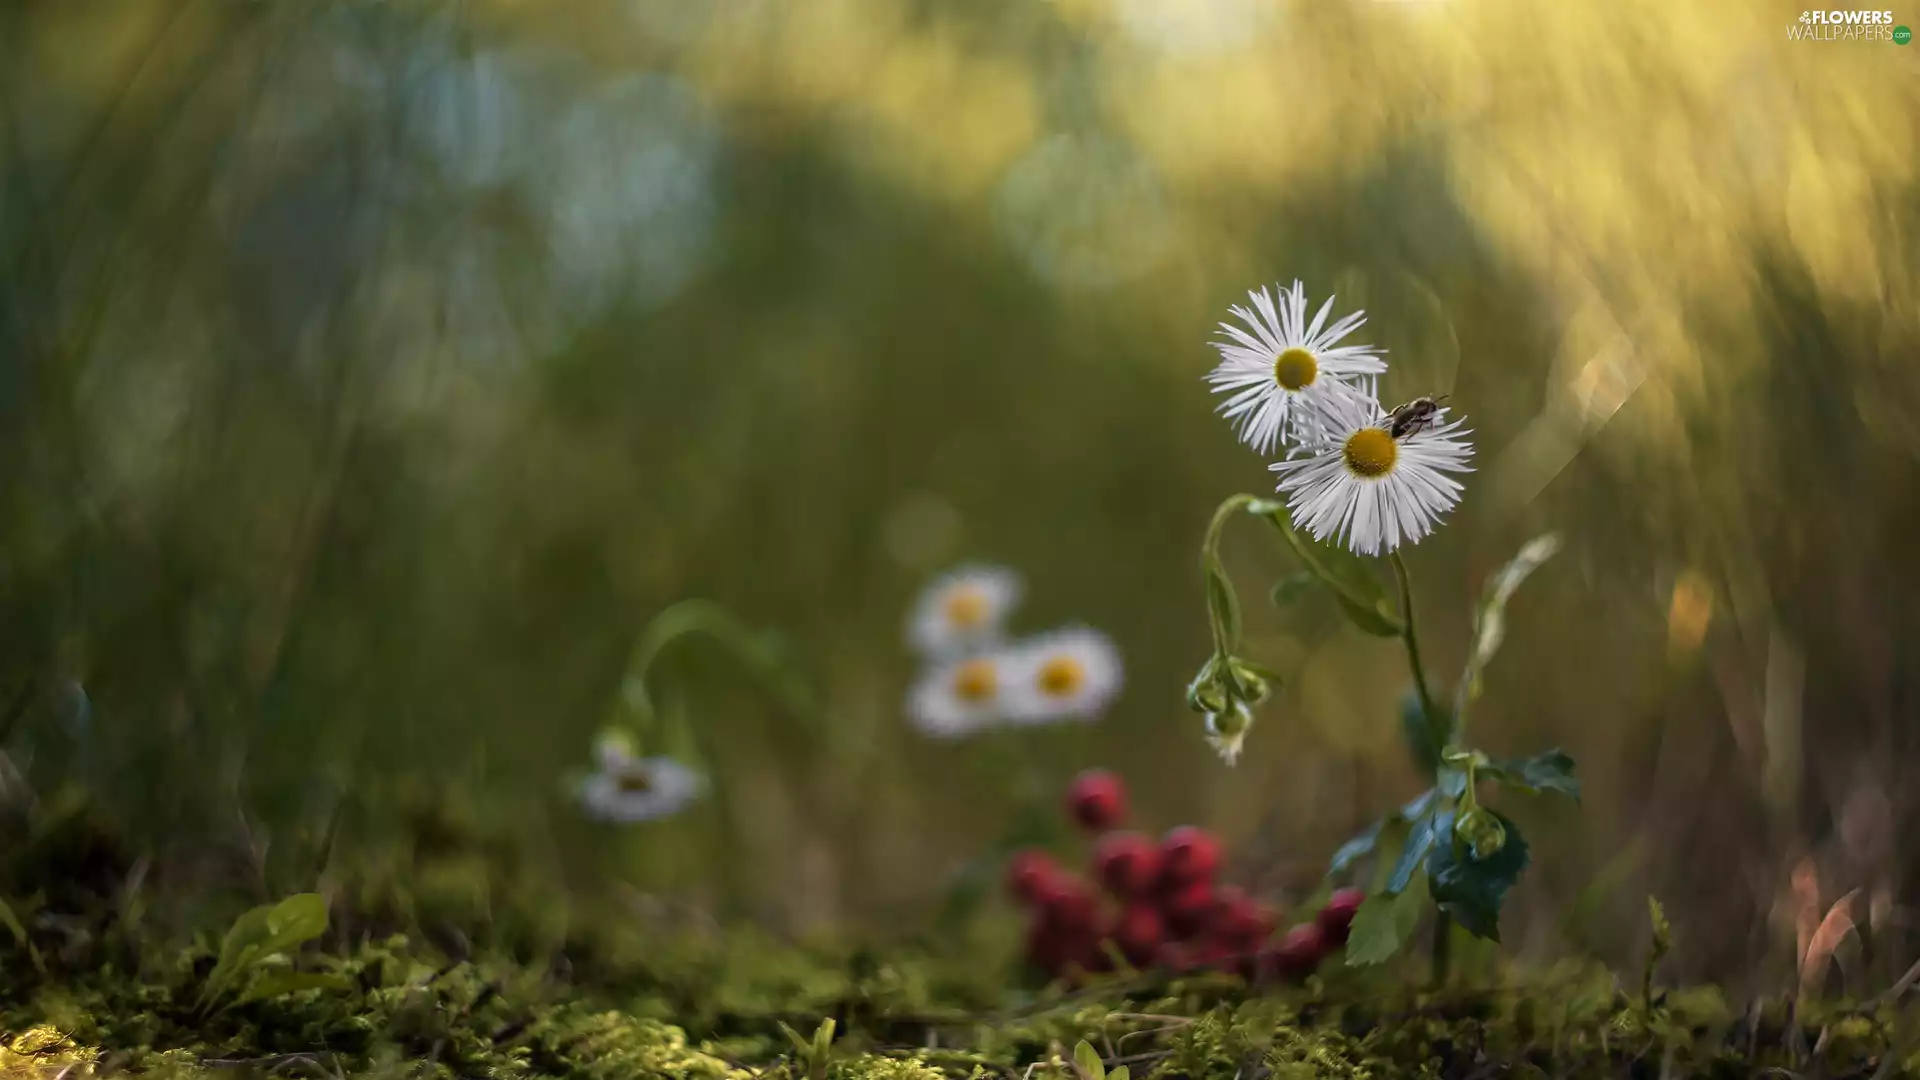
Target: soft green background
pixel 373 372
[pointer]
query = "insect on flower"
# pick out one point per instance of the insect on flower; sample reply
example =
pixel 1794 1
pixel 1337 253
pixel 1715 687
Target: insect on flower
pixel 1280 367
pixel 1369 488
pixel 628 788
pixel 963 610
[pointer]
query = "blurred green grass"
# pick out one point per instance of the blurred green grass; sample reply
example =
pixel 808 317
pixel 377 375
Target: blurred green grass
pixel 373 373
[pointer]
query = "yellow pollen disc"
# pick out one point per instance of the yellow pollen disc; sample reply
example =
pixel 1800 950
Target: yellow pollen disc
pixel 1061 676
pixel 1371 452
pixel 975 681
pixel 634 782
pixel 967 607
pixel 1295 369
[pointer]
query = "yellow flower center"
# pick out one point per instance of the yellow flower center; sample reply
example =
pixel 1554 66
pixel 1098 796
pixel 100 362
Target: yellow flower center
pixel 1061 676
pixel 967 607
pixel 1295 369
pixel 1371 452
pixel 975 681
pixel 634 782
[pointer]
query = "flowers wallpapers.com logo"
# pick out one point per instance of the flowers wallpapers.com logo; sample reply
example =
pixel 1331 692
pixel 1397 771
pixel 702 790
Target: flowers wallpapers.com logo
pixel 1849 25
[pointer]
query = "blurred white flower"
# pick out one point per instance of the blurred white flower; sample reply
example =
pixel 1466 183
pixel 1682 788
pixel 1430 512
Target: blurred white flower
pixel 1358 484
pixel 628 788
pixel 1282 365
pixel 1064 674
pixel 963 611
pixel 960 697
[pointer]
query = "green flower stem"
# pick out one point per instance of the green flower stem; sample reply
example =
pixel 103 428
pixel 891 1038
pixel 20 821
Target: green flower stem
pixel 1210 561
pixel 1442 955
pixel 689 617
pixel 1310 562
pixel 1411 636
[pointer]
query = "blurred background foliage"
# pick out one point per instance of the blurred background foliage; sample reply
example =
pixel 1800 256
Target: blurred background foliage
pixel 373 372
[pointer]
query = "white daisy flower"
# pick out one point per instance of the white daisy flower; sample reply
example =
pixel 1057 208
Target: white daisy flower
pixel 1360 484
pixel 1285 362
pixel 960 697
pixel 628 788
pixel 963 610
pixel 1066 674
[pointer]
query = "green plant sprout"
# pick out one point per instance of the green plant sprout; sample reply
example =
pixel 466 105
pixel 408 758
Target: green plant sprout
pixel 1087 1064
pixel 815 1053
pixel 1372 480
pixel 249 967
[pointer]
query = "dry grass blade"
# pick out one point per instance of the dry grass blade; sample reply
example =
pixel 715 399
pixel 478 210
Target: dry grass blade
pixel 1827 937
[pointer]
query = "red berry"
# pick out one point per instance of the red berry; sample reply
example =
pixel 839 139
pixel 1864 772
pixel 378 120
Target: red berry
pixel 1188 909
pixel 1336 919
pixel 1028 874
pixel 1128 863
pixel 1238 921
pixel 1189 854
pixel 1097 800
pixel 1068 901
pixel 1139 932
pixel 1298 953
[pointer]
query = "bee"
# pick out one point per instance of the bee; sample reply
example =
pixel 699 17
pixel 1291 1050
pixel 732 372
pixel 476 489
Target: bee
pixel 1413 417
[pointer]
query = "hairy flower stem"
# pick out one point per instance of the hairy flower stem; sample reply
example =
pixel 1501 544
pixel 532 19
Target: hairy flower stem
pixel 1442 956
pixel 1210 564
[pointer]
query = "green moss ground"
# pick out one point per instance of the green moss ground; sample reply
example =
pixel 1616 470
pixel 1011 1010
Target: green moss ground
pixel 461 964
pixel 407 1009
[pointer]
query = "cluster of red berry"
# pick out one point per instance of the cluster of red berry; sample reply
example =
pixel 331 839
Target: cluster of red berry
pixel 1163 905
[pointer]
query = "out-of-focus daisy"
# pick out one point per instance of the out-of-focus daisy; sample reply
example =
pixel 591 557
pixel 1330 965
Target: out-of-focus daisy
pixel 1372 491
pixel 961 696
pixel 1064 674
pixel 1282 362
pixel 963 610
pixel 628 788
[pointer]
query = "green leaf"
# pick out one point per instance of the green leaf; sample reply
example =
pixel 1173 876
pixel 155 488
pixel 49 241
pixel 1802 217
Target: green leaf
pixel 1289 590
pixel 801 1045
pixel 1384 923
pixel 1436 825
pixel 1355 849
pixel 1489 620
pixel 276 983
pixel 1086 1061
pixel 1425 736
pixel 263 932
pixel 1223 607
pixel 1364 598
pixel 12 922
pixel 1472 890
pixel 1120 1073
pixel 1377 619
pixel 823 1039
pixel 295 921
pixel 1551 771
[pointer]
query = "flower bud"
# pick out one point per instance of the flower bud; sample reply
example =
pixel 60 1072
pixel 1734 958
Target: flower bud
pixel 1481 832
pixel 1252 685
pixel 1227 730
pixel 1210 690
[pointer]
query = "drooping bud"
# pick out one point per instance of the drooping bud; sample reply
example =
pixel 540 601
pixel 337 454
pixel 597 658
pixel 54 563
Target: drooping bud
pixel 1211 690
pixel 1481 832
pixel 1253 685
pixel 1227 730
